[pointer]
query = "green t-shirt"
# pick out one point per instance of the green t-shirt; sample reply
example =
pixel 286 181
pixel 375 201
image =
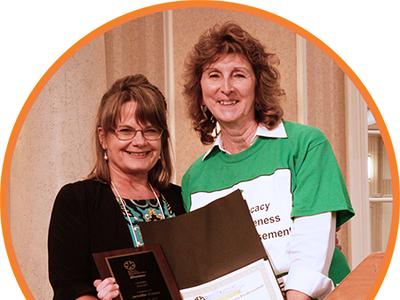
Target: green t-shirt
pixel 280 178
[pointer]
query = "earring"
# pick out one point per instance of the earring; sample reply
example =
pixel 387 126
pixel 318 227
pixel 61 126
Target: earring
pixel 105 155
pixel 204 111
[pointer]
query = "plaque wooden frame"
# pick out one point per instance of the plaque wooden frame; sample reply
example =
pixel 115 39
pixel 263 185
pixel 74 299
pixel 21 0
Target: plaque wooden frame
pixel 146 265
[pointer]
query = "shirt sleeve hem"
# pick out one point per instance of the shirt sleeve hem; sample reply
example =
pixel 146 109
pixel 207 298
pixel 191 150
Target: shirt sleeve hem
pixel 312 283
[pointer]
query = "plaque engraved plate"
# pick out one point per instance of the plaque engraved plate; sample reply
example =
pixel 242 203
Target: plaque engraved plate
pixel 141 273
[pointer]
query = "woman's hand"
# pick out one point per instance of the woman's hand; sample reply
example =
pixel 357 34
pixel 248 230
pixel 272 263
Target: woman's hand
pixel 107 289
pixel 296 295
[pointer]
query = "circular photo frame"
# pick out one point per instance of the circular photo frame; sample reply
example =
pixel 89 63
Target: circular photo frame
pixel 55 125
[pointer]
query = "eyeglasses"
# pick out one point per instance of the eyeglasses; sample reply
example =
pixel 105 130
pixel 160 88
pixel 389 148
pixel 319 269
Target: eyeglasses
pixel 128 133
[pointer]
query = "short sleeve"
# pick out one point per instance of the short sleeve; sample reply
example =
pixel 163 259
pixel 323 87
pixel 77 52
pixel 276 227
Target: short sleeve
pixel 318 184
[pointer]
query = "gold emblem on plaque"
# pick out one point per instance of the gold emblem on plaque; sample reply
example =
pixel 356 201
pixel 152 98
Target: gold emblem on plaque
pixel 130 267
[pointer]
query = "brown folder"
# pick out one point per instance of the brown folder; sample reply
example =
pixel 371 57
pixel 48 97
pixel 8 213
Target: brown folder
pixel 209 242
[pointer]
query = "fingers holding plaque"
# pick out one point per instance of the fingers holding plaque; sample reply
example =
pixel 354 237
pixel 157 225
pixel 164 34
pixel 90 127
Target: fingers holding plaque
pixel 141 273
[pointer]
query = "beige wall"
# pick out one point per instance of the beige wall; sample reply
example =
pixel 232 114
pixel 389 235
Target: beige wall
pixel 55 146
pixel 136 47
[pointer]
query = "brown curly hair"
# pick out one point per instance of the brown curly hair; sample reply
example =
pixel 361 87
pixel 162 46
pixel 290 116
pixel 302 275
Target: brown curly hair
pixel 151 109
pixel 230 38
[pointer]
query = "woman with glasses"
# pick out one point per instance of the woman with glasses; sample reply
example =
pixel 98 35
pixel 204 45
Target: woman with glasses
pixel 130 183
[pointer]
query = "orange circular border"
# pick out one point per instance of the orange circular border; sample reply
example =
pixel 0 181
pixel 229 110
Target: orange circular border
pixel 191 4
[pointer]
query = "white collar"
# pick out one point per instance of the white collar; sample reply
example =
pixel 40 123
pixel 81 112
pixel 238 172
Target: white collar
pixel 278 132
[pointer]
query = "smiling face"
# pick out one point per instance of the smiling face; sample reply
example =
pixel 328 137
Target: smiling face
pixel 228 88
pixel 134 157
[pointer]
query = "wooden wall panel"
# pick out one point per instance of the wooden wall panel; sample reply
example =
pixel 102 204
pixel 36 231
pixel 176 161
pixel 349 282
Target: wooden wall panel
pixel 136 47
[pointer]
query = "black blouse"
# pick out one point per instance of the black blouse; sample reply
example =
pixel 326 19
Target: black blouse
pixel 86 219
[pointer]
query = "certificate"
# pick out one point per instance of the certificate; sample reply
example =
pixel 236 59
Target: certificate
pixel 215 252
pixel 255 281
pixel 141 273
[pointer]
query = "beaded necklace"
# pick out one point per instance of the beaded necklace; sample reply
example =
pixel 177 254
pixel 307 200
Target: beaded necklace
pixel 122 204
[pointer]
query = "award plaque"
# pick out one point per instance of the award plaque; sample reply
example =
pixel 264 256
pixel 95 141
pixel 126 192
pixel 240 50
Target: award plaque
pixel 141 273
